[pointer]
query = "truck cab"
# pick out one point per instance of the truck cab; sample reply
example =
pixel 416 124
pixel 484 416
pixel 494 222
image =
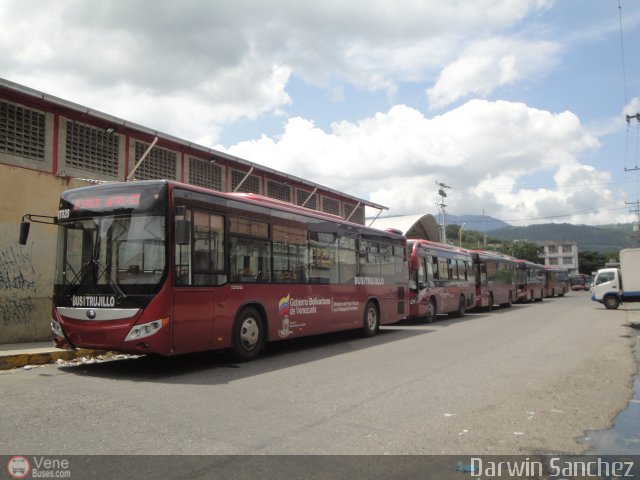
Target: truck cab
pixel 607 288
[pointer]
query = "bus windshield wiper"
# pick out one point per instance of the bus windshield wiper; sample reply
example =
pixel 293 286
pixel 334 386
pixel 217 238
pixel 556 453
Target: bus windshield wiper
pixel 95 264
pixel 76 279
pixel 120 295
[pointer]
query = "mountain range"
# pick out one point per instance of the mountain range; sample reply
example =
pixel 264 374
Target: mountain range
pixel 602 238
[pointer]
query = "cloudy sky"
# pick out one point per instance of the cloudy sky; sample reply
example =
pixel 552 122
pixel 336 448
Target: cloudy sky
pixel 518 105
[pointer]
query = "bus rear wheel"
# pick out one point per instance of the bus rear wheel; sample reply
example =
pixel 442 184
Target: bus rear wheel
pixel 248 334
pixel 462 308
pixel 432 310
pixel 371 320
pixel 509 302
pixel 490 306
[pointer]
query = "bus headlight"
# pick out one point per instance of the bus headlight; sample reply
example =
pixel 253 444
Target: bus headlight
pixel 146 329
pixel 56 328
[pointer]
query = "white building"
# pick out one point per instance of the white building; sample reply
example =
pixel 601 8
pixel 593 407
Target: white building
pixel 561 253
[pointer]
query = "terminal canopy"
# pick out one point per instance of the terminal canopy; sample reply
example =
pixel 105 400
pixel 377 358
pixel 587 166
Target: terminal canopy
pixel 423 227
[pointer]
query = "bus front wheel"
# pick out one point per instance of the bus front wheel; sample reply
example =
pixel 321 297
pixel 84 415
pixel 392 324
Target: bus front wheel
pixel 371 320
pixel 248 334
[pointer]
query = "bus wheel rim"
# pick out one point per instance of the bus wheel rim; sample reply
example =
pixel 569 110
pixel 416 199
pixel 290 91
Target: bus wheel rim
pixel 249 333
pixel 371 318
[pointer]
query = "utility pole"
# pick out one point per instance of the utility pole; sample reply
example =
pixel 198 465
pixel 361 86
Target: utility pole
pixel 629 117
pixel 636 210
pixel 636 226
pixel 443 195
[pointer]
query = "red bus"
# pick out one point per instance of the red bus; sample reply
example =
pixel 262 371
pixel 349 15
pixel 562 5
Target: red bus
pixel 495 276
pixel 579 281
pixel 441 280
pixel 530 281
pixel 556 281
pixel 168 268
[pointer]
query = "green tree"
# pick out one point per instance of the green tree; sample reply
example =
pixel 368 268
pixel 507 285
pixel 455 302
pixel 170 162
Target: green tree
pixel 590 261
pixel 523 250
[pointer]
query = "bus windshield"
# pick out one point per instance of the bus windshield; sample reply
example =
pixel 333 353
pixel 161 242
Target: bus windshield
pixel 110 255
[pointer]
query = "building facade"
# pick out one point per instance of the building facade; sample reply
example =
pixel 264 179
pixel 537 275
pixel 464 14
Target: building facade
pixel 561 253
pixel 48 145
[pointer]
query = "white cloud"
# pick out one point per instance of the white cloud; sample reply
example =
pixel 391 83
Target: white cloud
pixel 194 67
pixel 481 149
pixel 487 65
pixel 212 63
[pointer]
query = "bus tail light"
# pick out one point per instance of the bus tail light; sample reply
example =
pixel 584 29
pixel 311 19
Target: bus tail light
pixel 146 329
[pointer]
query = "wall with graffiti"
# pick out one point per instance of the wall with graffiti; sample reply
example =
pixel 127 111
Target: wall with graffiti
pixel 26 271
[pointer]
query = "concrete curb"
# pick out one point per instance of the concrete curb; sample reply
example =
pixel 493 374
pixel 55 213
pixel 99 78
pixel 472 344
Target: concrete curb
pixel 18 360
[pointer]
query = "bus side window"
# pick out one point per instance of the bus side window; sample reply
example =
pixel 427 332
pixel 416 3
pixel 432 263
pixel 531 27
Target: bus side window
pixel 182 270
pixel 290 258
pixel 462 271
pixel 443 269
pixel 436 273
pixel 422 277
pixel 201 262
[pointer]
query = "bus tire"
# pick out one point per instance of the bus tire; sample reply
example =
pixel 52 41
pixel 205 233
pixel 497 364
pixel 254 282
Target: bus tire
pixel 371 322
pixel 462 308
pixel 491 300
pixel 248 334
pixel 432 310
pixel 509 303
pixel 611 302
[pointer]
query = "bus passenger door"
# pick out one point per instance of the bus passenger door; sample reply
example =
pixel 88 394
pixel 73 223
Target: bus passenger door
pixel 198 270
pixel 192 320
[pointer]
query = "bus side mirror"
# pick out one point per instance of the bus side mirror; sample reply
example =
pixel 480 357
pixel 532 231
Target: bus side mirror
pixel 24 232
pixel 183 232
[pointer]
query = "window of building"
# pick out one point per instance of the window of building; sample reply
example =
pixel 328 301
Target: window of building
pixel 330 205
pixel 22 131
pixel 553 249
pixel 160 163
pixel 307 199
pixel 567 260
pixel 250 185
pixel 567 248
pixel 553 260
pixel 279 191
pixel 92 149
pixel 205 174
pixel 355 215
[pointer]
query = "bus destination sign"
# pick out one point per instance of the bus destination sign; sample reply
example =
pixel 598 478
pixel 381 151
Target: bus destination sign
pixel 102 202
